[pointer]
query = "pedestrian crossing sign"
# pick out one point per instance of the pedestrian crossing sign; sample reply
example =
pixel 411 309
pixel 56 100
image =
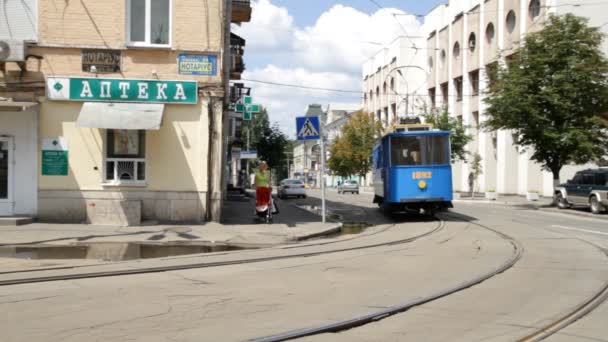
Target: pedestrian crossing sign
pixel 308 128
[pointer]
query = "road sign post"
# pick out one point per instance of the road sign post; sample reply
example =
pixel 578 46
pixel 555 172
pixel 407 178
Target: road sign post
pixel 309 128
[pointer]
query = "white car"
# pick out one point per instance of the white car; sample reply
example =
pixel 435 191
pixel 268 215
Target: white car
pixel 291 187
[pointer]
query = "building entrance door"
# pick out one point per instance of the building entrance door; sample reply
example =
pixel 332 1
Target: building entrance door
pixel 6 174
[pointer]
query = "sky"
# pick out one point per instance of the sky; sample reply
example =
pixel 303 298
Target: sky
pixel 318 43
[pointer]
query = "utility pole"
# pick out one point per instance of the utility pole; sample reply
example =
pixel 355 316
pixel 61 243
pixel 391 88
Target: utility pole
pixel 322 176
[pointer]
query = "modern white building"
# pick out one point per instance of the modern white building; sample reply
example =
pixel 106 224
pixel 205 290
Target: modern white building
pixel 394 80
pixel 465 39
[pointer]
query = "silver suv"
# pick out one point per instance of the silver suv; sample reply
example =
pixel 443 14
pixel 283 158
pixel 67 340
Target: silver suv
pixel 588 188
pixel 348 186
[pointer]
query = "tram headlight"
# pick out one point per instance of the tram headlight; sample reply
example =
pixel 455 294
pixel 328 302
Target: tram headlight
pixel 422 185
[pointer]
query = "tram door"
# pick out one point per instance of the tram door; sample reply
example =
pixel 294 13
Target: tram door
pixel 6 173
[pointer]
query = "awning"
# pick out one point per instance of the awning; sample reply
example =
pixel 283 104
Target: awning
pixel 114 115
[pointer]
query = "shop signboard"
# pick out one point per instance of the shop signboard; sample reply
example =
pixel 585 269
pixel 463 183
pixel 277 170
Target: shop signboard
pixel 198 65
pixel 54 157
pixel 249 154
pixel 101 61
pixel 121 90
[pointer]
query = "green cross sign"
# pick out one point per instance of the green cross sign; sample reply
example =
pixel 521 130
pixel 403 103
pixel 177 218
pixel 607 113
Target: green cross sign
pixel 247 108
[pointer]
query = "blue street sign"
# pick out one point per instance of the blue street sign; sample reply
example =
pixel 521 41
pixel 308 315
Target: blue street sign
pixel 308 128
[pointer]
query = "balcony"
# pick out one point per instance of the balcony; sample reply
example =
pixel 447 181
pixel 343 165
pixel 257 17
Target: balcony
pixel 241 11
pixel 237 50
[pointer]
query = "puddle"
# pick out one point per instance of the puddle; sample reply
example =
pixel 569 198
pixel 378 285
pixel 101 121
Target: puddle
pixel 353 227
pixel 110 251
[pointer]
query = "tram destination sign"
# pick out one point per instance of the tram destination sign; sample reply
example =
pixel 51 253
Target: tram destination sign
pixel 121 90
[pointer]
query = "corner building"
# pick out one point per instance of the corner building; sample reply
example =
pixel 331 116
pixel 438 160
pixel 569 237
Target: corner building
pixel 466 39
pixel 114 114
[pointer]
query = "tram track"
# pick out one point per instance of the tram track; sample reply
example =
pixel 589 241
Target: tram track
pixel 564 320
pixel 158 269
pixel 357 321
pixel 578 312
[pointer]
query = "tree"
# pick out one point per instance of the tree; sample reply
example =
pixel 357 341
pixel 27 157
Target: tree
pixel 359 135
pixel 552 94
pixel 476 171
pixel 441 119
pixel 271 147
pixel 341 160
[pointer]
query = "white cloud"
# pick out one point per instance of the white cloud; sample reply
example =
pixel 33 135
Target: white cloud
pixel 286 103
pixel 328 54
pixel 341 37
pixel 270 27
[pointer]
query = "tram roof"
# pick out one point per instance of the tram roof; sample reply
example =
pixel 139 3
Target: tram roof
pixel 414 133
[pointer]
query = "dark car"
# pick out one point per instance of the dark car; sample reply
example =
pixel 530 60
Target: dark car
pixel 588 188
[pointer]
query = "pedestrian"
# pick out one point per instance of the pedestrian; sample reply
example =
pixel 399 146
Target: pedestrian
pixel 263 191
pixel 471 184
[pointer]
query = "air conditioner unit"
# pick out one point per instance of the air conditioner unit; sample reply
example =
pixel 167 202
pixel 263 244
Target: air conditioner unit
pixel 12 51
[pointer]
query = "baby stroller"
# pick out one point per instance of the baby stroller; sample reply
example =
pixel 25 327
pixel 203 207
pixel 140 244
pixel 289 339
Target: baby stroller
pixel 264 206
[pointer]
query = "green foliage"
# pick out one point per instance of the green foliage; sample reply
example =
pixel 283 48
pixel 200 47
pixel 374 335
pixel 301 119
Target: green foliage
pixel 553 93
pixel 351 154
pixel 459 139
pixel 271 146
pixel 476 168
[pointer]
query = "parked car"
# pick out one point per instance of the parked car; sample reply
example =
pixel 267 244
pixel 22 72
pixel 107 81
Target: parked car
pixel 588 188
pixel 291 187
pixel 349 186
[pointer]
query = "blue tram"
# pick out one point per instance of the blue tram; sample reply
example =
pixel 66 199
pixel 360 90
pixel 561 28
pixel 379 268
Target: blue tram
pixel 412 170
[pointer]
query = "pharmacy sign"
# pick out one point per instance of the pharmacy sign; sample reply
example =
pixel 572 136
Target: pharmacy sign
pixel 121 90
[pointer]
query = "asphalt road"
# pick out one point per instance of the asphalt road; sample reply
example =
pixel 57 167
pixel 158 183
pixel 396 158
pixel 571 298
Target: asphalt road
pixel 561 268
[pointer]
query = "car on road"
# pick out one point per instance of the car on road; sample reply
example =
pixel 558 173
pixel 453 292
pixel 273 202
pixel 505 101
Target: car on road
pixel 349 186
pixel 588 188
pixel 291 187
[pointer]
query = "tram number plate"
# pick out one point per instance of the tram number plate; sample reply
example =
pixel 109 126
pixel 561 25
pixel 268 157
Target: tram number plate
pixel 422 175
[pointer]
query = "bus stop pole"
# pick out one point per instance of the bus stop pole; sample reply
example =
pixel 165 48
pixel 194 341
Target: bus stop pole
pixel 323 178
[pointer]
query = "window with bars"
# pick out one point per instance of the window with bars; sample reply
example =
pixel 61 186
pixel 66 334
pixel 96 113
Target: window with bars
pixel 125 162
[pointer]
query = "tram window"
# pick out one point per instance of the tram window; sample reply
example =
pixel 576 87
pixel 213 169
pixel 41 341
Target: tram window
pixel 437 150
pixel 405 151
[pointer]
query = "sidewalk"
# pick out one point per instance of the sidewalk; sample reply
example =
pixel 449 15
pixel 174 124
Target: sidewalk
pixel 290 225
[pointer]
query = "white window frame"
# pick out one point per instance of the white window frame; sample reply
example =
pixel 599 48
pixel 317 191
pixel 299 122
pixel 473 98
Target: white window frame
pixel 148 38
pixel 117 181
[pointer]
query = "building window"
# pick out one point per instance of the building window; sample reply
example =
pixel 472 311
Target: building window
pixel 432 96
pixel 458 88
pixel 431 63
pixel 472 42
pixel 125 161
pixel 490 33
pixel 371 95
pixel 394 111
pixel 379 116
pixel 475 119
pixel 377 91
pixel 444 93
pixel 511 21
pixel 534 9
pixel 384 88
pixel 392 83
pixel 442 59
pixel 474 79
pixel 456 50
pixel 149 22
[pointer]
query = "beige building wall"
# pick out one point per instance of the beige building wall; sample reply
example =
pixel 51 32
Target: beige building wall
pixel 511 39
pixel 196 25
pixel 472 33
pixel 457 47
pixel 443 55
pixel 490 17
